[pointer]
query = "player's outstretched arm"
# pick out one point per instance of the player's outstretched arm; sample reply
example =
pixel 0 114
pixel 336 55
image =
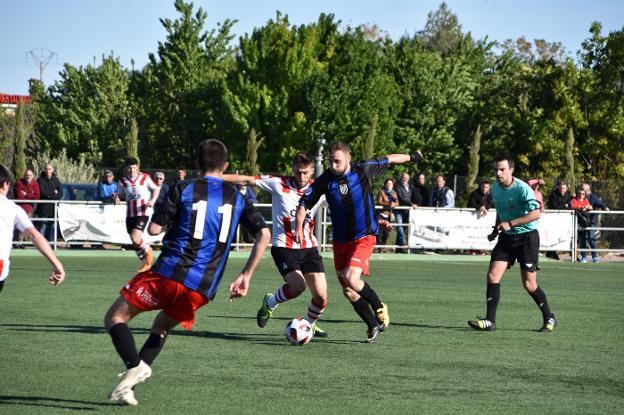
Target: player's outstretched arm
pixel 58 272
pixel 239 179
pixel 404 158
pixel 239 287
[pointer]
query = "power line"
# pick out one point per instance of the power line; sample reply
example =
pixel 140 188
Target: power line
pixel 42 57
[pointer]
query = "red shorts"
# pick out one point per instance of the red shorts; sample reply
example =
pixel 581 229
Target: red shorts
pixel 354 253
pixel 149 291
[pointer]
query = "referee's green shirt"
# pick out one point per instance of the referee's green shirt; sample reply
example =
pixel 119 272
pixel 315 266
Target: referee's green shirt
pixel 513 202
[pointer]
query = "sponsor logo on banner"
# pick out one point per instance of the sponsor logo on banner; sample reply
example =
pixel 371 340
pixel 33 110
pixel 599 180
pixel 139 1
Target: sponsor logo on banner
pixel 432 228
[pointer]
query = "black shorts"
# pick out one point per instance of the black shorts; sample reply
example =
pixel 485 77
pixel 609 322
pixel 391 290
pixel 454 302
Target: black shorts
pixel 524 247
pixel 137 222
pixel 304 260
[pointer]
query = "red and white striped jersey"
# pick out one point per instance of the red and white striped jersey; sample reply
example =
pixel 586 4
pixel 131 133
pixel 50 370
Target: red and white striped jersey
pixel 285 199
pixel 138 192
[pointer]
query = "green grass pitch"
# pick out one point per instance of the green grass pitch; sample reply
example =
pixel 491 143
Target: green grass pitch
pixel 56 358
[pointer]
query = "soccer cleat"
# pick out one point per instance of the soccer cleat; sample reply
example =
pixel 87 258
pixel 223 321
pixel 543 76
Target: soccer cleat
pixel 149 260
pixel 549 325
pixel 130 379
pixel 265 312
pixel 583 261
pixel 595 260
pixel 319 332
pixel 372 334
pixel 482 324
pixel 127 398
pixel 383 318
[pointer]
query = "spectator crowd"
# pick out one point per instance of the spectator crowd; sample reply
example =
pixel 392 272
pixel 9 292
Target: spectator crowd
pixel 403 193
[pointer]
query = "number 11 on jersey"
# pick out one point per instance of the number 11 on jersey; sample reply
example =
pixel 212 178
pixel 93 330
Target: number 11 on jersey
pixel 200 219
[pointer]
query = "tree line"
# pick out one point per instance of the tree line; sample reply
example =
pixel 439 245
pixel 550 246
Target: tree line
pixel 274 91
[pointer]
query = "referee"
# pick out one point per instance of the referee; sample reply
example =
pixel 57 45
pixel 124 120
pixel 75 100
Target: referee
pixel 517 218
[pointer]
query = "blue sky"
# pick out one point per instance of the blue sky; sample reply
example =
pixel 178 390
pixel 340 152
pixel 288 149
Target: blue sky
pixel 80 30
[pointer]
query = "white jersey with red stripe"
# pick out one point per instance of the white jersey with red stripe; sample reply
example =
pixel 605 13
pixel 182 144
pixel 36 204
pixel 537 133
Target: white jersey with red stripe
pixel 12 217
pixel 138 192
pixel 285 199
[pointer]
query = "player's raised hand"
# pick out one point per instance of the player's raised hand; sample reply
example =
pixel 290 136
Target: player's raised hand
pixel 416 156
pixel 239 287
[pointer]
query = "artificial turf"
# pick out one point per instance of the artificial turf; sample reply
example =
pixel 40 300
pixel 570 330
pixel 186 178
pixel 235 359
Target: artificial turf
pixel 55 356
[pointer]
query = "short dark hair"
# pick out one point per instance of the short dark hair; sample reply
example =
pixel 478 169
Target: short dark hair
pixel 486 182
pixel 5 175
pixel 131 161
pixel 503 157
pixel 212 155
pixel 339 145
pixel 302 158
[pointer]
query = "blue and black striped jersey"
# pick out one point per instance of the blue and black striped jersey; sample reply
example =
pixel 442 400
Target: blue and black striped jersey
pixel 201 217
pixel 350 200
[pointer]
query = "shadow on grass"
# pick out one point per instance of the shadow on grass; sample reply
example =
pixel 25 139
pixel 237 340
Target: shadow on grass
pixel 40 401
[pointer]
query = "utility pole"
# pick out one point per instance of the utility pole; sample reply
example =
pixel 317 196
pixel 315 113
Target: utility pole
pixel 318 169
pixel 41 56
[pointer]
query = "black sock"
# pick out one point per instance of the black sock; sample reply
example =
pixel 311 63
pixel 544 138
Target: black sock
pixel 363 310
pixel 539 297
pixel 492 295
pixel 368 294
pixel 151 348
pixel 124 344
pixel 1 285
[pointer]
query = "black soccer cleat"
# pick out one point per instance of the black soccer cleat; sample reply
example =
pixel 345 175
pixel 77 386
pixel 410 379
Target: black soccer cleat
pixel 372 334
pixel 482 324
pixel 549 325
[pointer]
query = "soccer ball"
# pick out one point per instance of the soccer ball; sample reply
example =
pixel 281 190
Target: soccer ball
pixel 298 331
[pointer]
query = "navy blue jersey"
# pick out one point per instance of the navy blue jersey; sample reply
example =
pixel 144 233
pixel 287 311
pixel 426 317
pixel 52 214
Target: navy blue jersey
pixel 201 217
pixel 350 200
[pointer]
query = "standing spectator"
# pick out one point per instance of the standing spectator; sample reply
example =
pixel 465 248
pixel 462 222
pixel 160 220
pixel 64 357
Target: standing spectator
pixel 581 206
pixel 159 177
pixel 535 185
pixel 107 188
pixel 180 177
pixel 597 204
pixel 50 189
pixel 420 191
pixel 404 194
pixel 481 198
pixel 442 195
pixel 27 188
pixel 559 199
pixel 388 199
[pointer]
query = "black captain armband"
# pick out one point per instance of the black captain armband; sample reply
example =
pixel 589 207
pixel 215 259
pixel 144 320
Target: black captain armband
pixel 416 156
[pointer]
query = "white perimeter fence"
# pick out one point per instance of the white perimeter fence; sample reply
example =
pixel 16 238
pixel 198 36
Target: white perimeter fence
pixel 440 229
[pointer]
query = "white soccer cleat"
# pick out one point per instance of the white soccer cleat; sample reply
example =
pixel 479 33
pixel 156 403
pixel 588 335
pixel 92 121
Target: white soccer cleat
pixel 132 377
pixel 127 398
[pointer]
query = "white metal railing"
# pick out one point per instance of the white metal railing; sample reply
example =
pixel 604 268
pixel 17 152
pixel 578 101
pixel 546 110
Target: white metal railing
pixel 325 242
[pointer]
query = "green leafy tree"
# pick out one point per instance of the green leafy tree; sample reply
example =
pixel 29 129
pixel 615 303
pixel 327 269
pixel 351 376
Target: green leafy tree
pixel 20 141
pixel 85 112
pixel 179 93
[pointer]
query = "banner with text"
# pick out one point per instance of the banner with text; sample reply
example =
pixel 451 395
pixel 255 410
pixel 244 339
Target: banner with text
pixel 97 223
pixel 432 228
